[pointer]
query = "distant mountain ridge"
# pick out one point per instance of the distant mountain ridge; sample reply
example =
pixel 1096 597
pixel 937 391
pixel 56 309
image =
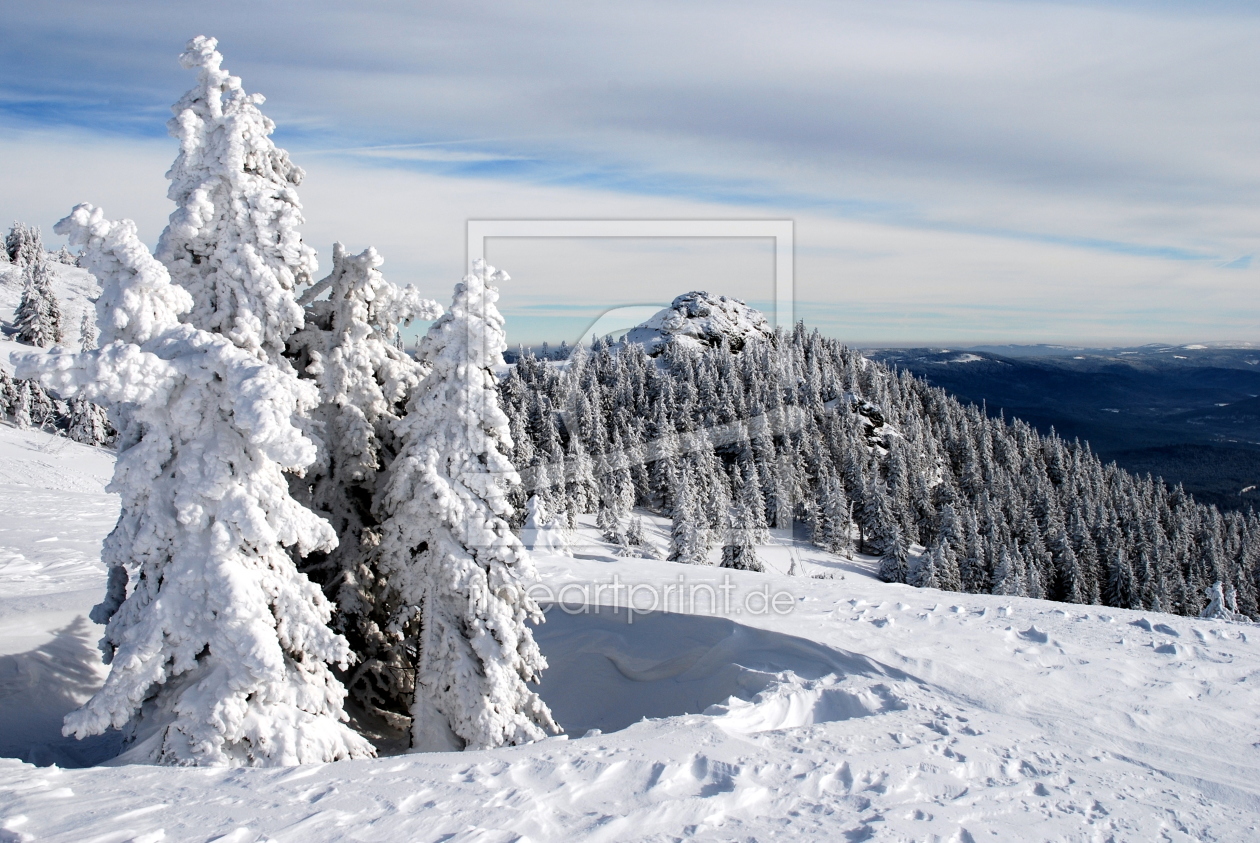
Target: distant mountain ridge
pixel 1189 414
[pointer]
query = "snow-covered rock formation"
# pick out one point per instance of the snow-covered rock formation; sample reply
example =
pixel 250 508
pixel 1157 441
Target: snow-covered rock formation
pixel 699 319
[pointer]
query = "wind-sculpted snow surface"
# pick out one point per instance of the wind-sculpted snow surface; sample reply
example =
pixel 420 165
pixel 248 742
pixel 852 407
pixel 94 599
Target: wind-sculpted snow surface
pixel 218 647
pixel 872 711
pixel 607 671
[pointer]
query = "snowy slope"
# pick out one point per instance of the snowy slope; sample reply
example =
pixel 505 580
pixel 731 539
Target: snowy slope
pixel 53 514
pixel 865 711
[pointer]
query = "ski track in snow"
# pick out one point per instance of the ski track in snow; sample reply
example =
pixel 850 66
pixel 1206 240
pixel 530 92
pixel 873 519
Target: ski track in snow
pixel 868 712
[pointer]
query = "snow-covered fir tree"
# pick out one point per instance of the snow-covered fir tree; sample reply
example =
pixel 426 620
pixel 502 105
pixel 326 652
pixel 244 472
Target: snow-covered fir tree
pixel 894 561
pixel 458 574
pixel 24 244
pixel 37 320
pixel 739 550
pixel 89 423
pixel 1222 605
pixel 22 405
pixel 233 241
pixel 88 335
pixel 687 533
pixel 8 392
pixel 219 648
pixel 348 348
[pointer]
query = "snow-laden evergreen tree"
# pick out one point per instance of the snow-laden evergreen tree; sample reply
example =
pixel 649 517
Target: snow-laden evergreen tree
pixel 219 648
pixel 611 509
pixel 22 405
pixel 1221 605
pixel 636 540
pixel 88 334
pixel 458 574
pixel 233 241
pixel 833 517
pixel 89 422
pixel 38 315
pixel 738 550
pixel 687 539
pixel 8 391
pixel 928 573
pixel 751 498
pixel 1008 576
pixel 24 244
pixel 544 532
pixel 347 347
pixel 894 562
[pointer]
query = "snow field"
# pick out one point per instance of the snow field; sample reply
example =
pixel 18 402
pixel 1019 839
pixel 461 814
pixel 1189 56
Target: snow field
pixel 869 711
pixel 53 514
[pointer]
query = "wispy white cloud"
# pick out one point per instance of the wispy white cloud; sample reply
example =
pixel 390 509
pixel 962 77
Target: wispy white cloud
pixel 1094 155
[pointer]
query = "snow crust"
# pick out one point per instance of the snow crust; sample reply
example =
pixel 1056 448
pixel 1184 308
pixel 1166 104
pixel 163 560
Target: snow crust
pixel 869 711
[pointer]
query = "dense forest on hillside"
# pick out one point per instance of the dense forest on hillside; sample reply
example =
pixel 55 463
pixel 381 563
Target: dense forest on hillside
pixel 1187 413
pixel 801 431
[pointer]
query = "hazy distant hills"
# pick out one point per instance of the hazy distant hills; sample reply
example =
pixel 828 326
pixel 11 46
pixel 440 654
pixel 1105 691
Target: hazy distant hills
pixel 1188 413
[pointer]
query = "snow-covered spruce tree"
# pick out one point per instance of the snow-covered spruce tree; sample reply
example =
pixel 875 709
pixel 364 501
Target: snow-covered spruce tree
pixel 38 315
pixel 1222 606
pixel 687 534
pixel 833 517
pixel 544 532
pixel 89 423
pixel 22 405
pixel 233 241
pixel 894 563
pixel 42 410
pixel 88 335
pixel 457 573
pixel 8 392
pixel 218 646
pixel 347 347
pixel 927 574
pixel 739 551
pixel 24 244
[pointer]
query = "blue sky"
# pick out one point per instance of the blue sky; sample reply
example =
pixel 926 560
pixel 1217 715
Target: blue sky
pixel 958 171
